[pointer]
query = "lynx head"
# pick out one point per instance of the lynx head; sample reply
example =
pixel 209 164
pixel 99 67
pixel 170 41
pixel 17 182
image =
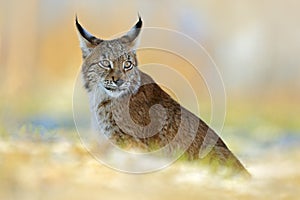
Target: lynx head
pixel 110 65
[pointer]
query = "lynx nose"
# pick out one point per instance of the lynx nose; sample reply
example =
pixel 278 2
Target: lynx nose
pixel 118 81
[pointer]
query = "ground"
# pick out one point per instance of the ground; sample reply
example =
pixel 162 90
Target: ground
pixel 65 170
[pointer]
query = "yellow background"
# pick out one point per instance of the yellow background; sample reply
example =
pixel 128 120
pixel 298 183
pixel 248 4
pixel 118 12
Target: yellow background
pixel 255 45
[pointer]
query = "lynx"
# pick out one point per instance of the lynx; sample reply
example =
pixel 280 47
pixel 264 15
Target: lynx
pixel 135 112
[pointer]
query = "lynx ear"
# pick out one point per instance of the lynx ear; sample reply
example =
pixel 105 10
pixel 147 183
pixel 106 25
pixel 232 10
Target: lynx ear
pixel 87 41
pixel 131 37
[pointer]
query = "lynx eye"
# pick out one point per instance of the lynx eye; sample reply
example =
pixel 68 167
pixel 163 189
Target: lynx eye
pixel 127 65
pixel 105 64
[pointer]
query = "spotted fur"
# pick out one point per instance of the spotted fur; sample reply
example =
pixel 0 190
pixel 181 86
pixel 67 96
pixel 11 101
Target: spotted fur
pixel 132 110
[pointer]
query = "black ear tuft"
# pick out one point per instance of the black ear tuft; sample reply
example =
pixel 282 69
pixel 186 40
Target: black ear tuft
pixel 87 41
pixel 139 24
pixel 131 38
pixel 86 35
pixel 78 26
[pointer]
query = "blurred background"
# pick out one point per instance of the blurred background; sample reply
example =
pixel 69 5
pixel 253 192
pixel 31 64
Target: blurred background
pixel 255 45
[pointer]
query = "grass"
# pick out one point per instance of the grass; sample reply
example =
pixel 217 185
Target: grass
pixel 62 169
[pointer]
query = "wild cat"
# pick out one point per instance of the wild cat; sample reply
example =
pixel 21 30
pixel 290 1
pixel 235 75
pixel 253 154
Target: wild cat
pixel 134 112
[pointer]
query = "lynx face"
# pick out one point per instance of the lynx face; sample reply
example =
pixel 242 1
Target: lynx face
pixel 110 65
pixel 112 71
